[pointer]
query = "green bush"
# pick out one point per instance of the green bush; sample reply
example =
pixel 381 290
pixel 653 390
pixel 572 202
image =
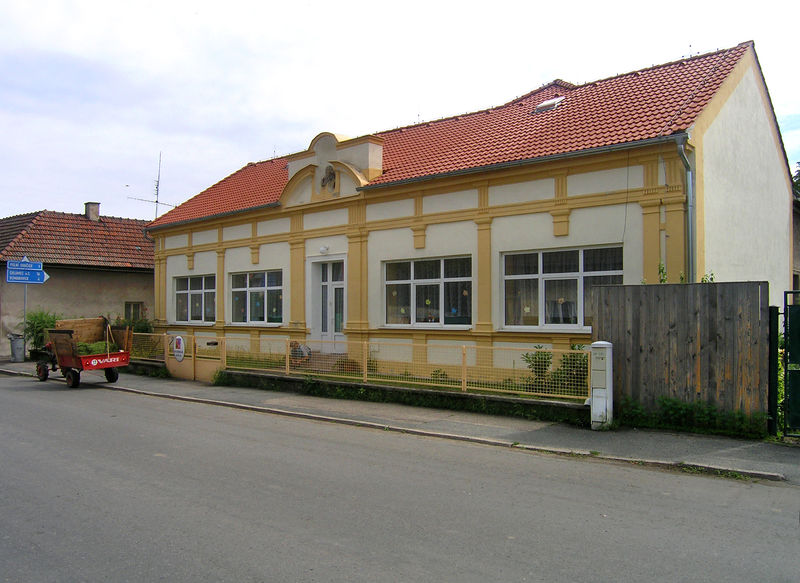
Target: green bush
pixel 35 325
pixel 539 361
pixel 695 416
pixel 140 326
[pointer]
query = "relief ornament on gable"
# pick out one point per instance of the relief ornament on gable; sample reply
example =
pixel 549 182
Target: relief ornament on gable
pixel 328 181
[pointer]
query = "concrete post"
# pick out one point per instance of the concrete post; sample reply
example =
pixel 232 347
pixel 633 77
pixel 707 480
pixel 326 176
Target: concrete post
pixel 602 397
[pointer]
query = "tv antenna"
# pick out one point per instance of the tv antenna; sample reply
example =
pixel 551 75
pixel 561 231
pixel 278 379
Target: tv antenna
pixel 156 201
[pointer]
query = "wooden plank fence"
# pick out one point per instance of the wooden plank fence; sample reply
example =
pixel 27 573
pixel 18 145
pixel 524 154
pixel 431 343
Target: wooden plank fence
pixel 693 342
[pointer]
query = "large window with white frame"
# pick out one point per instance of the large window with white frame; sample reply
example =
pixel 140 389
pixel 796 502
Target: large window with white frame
pixel 195 298
pixel 429 291
pixel 257 297
pixel 549 288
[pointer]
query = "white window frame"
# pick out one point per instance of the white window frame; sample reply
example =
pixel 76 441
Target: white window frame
pixel 414 283
pixel 201 292
pixel 266 288
pixel 542 279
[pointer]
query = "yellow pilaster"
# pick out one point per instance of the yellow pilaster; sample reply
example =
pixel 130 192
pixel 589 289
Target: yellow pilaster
pixel 297 256
pixel 650 168
pixel 163 290
pixel 160 281
pixel 651 239
pixel 676 240
pixel 220 279
pixel 560 213
pixel 357 296
pixel 484 285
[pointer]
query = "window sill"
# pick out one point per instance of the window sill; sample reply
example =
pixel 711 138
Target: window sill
pixel 255 324
pixel 564 328
pixel 423 326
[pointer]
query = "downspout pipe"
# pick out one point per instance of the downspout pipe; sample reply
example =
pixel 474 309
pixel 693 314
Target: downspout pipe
pixel 691 218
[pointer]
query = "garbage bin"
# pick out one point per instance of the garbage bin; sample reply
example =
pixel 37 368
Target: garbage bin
pixel 17 347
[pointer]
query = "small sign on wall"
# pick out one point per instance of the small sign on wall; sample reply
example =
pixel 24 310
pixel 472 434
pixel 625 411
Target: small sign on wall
pixel 179 350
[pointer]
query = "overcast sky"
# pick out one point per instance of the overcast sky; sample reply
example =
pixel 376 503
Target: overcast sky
pixel 92 91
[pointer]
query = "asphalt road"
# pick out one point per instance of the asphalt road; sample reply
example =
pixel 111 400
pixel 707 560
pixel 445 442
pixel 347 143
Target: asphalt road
pixel 98 485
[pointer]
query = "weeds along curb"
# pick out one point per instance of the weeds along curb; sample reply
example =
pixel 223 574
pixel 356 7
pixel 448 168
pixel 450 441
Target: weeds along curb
pixel 541 410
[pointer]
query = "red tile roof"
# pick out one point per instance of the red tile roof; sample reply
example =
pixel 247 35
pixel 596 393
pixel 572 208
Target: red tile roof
pixel 643 105
pixel 70 239
pixel 257 184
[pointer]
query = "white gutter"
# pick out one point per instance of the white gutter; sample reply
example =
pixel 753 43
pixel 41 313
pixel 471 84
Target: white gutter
pixel 691 226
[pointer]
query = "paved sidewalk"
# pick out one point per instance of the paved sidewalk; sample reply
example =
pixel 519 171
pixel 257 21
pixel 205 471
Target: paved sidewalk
pixel 758 459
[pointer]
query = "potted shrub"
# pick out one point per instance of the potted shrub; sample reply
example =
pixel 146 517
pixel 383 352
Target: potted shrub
pixel 34 330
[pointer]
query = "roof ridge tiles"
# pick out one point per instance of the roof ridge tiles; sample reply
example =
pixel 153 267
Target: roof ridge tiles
pixel 682 61
pixel 82 216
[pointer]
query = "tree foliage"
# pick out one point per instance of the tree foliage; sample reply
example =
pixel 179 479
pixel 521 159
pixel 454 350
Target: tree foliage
pixel 796 182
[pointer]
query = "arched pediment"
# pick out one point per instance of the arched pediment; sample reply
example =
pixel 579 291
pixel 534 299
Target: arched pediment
pixel 299 189
pixel 313 183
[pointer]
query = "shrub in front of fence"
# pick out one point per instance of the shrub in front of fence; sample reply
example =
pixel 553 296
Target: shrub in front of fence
pixel 570 377
pixel 695 416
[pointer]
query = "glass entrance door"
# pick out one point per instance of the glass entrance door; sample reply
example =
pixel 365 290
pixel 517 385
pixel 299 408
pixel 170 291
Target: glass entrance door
pixel 332 305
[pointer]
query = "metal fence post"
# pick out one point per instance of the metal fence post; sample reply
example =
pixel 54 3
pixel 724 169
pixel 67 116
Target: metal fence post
pixel 364 359
pixel 463 367
pixel 194 357
pixel 288 354
pixel 772 383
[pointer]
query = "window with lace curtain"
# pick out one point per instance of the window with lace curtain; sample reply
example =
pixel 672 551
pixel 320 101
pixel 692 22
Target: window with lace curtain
pixel 429 292
pixel 549 288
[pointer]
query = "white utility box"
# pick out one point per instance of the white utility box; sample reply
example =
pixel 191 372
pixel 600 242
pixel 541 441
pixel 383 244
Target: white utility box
pixel 602 397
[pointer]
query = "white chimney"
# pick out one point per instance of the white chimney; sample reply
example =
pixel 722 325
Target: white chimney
pixel 92 211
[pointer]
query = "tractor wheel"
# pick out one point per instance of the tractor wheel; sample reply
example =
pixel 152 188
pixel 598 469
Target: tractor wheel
pixel 42 370
pixel 112 374
pixel 73 378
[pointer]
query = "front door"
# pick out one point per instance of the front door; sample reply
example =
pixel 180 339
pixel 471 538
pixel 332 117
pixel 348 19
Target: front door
pixel 331 306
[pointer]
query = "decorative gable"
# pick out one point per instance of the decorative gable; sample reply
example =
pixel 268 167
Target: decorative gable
pixel 332 167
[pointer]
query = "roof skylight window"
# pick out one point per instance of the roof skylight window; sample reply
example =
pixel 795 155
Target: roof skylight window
pixel 549 104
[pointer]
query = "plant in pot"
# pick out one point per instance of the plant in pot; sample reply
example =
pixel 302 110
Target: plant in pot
pixel 34 330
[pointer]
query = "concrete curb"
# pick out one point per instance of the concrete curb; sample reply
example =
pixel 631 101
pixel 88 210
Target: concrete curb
pixel 566 452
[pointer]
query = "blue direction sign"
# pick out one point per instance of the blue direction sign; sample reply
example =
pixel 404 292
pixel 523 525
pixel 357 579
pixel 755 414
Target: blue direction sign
pixel 25 271
pixel 26 276
pixel 25 264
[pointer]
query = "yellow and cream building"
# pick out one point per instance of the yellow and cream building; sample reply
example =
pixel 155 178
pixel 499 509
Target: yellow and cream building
pixel 489 229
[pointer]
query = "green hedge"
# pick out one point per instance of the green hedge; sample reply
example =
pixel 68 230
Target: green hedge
pixel 438 399
pixel 695 416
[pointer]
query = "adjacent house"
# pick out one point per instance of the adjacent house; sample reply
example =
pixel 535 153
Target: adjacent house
pixel 97 265
pixel 490 228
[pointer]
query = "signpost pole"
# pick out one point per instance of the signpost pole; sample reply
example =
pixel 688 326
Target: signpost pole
pixel 24 320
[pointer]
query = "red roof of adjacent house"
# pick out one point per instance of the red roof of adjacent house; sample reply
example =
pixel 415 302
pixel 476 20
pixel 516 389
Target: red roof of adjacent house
pixel 647 104
pixel 56 238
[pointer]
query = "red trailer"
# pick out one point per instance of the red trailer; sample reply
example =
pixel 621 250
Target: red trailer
pixel 62 350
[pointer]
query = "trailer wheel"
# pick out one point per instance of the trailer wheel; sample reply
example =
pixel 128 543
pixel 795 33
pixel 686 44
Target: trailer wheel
pixel 112 374
pixel 42 370
pixel 73 378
